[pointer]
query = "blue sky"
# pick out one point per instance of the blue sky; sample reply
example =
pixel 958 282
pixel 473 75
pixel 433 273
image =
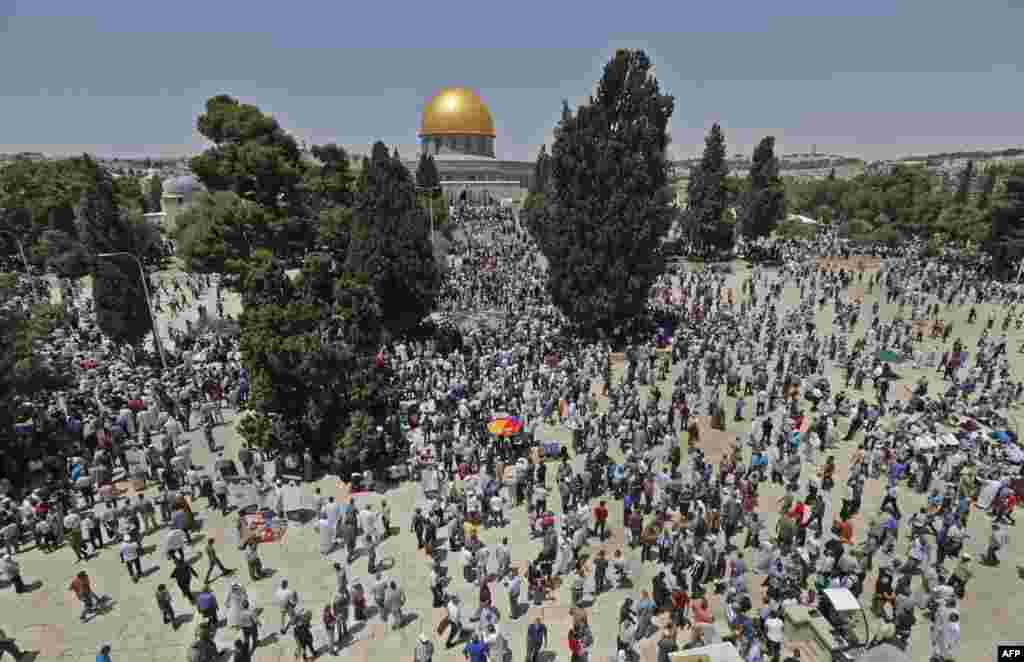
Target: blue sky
pixel 868 78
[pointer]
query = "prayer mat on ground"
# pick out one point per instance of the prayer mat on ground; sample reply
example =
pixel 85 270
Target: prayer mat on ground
pixel 269 528
pixel 890 356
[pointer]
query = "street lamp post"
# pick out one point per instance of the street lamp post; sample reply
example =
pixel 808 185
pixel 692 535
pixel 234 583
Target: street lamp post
pixel 430 189
pixel 149 304
pixel 21 247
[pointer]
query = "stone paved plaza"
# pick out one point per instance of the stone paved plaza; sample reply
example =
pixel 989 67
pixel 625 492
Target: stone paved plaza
pixel 46 620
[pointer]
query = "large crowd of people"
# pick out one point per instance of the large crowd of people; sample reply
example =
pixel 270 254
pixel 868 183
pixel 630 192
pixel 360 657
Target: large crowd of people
pixel 737 530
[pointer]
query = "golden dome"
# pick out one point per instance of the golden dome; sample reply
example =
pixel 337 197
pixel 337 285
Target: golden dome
pixel 456 111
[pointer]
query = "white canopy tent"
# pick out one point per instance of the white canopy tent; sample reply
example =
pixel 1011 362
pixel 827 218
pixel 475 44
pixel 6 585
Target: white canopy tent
pixel 714 653
pixel 842 599
pixel 803 220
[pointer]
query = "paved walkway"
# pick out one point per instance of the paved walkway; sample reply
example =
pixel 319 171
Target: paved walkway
pixel 46 619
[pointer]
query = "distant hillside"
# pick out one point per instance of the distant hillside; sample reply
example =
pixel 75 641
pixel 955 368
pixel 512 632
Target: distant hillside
pixel 138 167
pixel 977 154
pixel 787 162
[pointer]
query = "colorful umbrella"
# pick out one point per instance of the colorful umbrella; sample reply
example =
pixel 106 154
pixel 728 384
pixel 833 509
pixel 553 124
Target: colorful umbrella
pixel 504 427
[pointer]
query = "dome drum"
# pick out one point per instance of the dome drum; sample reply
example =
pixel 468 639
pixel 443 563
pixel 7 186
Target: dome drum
pixel 458 144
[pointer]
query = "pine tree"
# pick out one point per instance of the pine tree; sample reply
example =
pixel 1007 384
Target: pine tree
pixel 329 182
pixel 541 171
pixel 708 196
pixel 766 200
pixel 433 176
pixel 421 171
pixel 155 194
pixel 988 185
pixel 427 177
pixel 257 160
pixel 963 186
pixel 608 202
pixel 252 155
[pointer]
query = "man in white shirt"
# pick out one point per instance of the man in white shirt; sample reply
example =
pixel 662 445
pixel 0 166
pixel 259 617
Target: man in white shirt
pixel 454 622
pixel 498 509
pixel 174 544
pixel 424 649
pixel 173 429
pixel 514 584
pixel 287 600
pixel 368 521
pixel 129 553
pixel 106 513
pixel 774 630
pixel 194 480
pixel 332 510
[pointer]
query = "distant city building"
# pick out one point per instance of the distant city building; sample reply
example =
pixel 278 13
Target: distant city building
pixel 879 168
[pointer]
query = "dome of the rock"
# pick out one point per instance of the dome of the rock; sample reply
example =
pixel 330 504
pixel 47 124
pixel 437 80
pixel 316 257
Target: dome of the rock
pixel 456 111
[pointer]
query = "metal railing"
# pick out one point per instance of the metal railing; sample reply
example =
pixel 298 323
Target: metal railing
pixel 149 304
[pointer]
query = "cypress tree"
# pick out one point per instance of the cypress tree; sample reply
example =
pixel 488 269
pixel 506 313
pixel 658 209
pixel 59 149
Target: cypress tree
pixel 963 185
pixel 708 196
pixel 608 200
pixel 390 245
pixel 1007 239
pixel 766 202
pixel 155 194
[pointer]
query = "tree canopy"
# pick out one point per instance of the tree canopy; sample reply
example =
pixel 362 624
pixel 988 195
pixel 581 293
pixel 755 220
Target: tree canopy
pixel 220 232
pixel 258 161
pixel 708 197
pixel 25 372
pixel 365 265
pixel 105 228
pixel 963 184
pixel 310 348
pixel 38 200
pixel 67 213
pixel 251 154
pixel 390 243
pixel 328 183
pixel 908 198
pixel 1007 240
pixel 427 176
pixel 154 194
pixel 607 203
pixel 765 205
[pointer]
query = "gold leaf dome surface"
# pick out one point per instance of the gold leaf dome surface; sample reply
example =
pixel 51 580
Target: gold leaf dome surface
pixel 456 111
